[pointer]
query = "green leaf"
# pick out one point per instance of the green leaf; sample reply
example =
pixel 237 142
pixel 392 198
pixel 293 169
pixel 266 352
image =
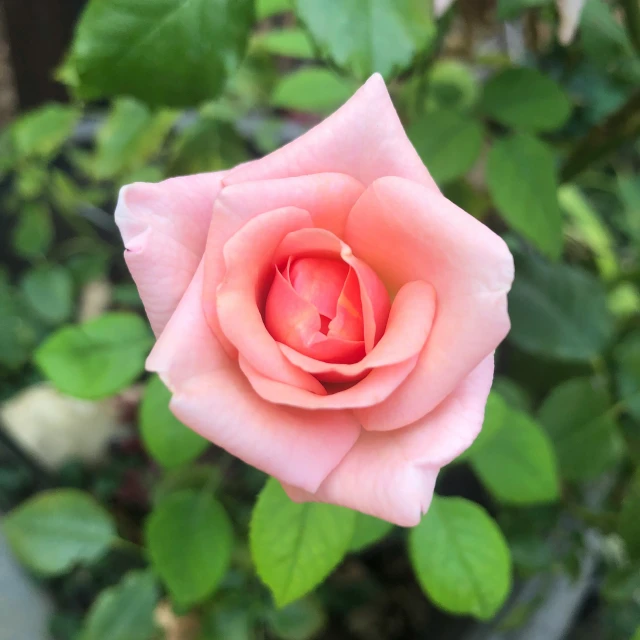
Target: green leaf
pixel 166 439
pixel 190 540
pixel 636 635
pixel 452 85
pixel 516 396
pixel 516 461
pixel 18 334
pixel 508 9
pixel 526 99
pixel 174 53
pixel 577 416
pixel 207 145
pixel 230 618
pixel 627 355
pixel 296 546
pixel 291 43
pixel 629 518
pixel 49 292
pixel 629 190
pixel 301 620
pixel 603 36
pixel 495 416
pixel 313 90
pixel 365 36
pixel 42 132
pixel 448 143
pixel 461 558
pixel 522 180
pixel 130 135
pixel 558 311
pixel 368 531
pixel 588 227
pixel 268 8
pixel 125 611
pixel 97 358
pixel 33 234
pixel 55 530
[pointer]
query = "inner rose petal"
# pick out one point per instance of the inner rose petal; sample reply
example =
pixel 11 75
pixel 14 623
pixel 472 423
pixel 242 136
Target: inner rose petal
pixel 296 322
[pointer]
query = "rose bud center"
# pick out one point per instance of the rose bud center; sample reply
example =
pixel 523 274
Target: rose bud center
pixel 315 306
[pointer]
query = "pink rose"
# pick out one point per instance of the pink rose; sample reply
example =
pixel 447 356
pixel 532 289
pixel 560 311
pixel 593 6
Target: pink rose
pixel 324 313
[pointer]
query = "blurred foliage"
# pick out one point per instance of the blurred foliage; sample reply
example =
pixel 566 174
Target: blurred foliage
pixel 538 139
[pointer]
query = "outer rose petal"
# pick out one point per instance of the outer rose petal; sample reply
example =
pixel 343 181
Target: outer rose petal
pixel 213 398
pixel 327 197
pixel 392 475
pixel 470 268
pixel 364 139
pixel 164 227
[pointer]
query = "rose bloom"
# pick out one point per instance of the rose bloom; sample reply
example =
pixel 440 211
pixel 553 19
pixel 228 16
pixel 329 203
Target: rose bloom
pixel 324 313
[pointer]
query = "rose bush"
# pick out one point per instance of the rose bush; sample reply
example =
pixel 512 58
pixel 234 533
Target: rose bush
pixel 324 313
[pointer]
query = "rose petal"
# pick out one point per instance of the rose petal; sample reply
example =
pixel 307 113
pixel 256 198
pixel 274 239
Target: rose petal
pixel 293 321
pixel 328 197
pixel 373 295
pixel 392 475
pixel 319 281
pixel 408 232
pixel 410 322
pixel 369 391
pixel 212 397
pixel 164 227
pixel 570 11
pixel 249 256
pixel 364 139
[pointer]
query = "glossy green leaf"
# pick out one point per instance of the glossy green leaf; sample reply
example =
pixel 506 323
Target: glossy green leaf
pixel 43 131
pixel 190 540
pixel 33 232
pixel 368 530
pixel 312 89
pixel 588 228
pixel 578 418
pixel 129 137
pixel 365 36
pixel 461 558
pixel 174 53
pixel 627 355
pixel 524 98
pixel 629 518
pixel 206 145
pixel 167 440
pixel 97 358
pixel 516 462
pixel 558 311
pixel 448 143
pixel 301 620
pixel 522 180
pixel 124 611
pixel 49 292
pixel 292 42
pixel 296 546
pixel 55 530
